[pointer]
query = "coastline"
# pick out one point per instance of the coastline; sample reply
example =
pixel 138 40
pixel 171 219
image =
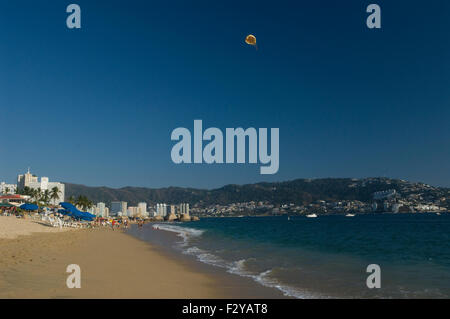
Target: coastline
pixel 168 261
pixel 113 265
pixel 230 284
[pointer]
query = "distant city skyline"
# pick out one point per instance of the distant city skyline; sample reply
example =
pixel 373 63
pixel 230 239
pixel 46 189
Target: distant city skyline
pixel 97 105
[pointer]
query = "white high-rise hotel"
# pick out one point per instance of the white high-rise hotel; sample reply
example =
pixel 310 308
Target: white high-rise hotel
pixel 143 208
pixel 100 210
pixel 184 208
pixel 31 181
pixel 161 210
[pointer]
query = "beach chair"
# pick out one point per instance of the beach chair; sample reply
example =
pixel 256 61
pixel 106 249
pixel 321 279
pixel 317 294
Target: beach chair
pixel 45 219
pixel 51 221
pixel 59 222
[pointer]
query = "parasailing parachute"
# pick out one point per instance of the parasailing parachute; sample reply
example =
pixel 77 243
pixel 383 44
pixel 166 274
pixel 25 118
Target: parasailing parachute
pixel 251 40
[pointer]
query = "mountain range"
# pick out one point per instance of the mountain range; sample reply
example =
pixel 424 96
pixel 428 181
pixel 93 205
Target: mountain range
pixel 298 191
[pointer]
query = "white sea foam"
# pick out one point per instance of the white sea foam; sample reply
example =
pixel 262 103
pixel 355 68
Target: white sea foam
pixel 206 257
pixel 238 268
pixel 184 232
pixel 264 279
pixel 193 251
pixel 212 259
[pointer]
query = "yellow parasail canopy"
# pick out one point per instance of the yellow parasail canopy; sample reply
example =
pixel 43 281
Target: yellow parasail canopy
pixel 251 40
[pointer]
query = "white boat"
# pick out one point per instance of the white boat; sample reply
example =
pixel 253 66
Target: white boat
pixel 438 214
pixel 311 216
pixel 350 215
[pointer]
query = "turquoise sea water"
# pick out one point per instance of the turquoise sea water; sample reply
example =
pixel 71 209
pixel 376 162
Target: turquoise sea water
pixel 327 256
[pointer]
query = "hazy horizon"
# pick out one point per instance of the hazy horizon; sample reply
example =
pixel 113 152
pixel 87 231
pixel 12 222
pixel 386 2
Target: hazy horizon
pixel 257 182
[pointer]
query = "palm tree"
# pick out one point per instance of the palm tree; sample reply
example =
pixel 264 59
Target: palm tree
pixel 36 194
pixel 55 194
pixel 71 199
pixel 83 202
pixel 46 197
pixel 25 191
pixel 6 190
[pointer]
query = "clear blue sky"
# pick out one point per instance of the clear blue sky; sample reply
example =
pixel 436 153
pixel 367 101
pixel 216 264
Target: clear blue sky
pixel 97 106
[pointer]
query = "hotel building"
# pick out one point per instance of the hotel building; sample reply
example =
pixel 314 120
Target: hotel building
pixel 6 189
pixel 143 208
pixel 161 210
pixel 102 210
pixel 32 181
pixel 184 208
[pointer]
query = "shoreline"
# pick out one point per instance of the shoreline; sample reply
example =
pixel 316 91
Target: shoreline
pixel 113 265
pixel 233 285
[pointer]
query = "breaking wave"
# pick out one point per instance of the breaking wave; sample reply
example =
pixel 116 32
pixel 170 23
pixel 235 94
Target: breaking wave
pixel 234 267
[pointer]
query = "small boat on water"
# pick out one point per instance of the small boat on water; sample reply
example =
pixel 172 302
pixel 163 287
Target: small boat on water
pixel 350 215
pixel 289 218
pixel 311 216
pixel 438 214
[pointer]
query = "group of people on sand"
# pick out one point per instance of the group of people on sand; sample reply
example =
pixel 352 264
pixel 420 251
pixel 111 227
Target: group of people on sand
pixel 124 224
pixel 116 224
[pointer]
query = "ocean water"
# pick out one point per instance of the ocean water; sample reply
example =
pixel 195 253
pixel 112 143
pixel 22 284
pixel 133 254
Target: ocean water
pixel 327 257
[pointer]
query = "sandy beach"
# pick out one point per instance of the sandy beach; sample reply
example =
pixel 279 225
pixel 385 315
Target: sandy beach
pixel 113 264
pixel 12 227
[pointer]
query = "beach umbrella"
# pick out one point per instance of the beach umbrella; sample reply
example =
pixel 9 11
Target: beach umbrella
pixel 90 215
pixel 29 206
pixel 63 212
pixel 87 218
pixel 75 213
pixel 82 216
pixel 68 206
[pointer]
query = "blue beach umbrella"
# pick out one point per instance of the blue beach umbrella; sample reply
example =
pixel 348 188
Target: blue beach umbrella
pixel 90 215
pixel 29 207
pixel 75 213
pixel 68 206
pixel 87 217
pixel 63 211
